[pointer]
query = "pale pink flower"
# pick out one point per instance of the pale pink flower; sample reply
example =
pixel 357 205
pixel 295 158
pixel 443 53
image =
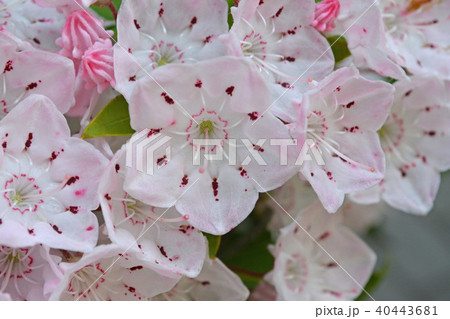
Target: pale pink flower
pixel 28 273
pixel 97 69
pixel 344 112
pixel 49 180
pixel 109 273
pixel 81 31
pixel 26 70
pixel 416 140
pixel 28 21
pixel 325 13
pixel 278 38
pixel 196 103
pixel 154 33
pixel 391 35
pixel 304 270
pixel 159 237
pixel 215 283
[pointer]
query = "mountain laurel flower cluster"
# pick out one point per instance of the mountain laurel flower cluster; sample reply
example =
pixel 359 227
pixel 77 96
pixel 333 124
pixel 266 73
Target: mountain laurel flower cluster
pixel 142 141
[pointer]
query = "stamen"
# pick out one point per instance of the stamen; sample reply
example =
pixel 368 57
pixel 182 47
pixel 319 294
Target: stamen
pixel 342 156
pixel 174 220
pixel 202 169
pixel 57 189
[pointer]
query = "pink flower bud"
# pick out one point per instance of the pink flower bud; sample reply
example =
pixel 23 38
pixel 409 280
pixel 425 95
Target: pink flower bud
pixel 97 66
pixel 325 13
pixel 80 32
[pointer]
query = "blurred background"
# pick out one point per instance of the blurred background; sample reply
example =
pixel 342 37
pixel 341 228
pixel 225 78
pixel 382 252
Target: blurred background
pixel 416 250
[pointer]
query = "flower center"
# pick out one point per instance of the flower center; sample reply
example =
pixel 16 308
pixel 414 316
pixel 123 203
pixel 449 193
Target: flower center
pixel 392 136
pixel 138 213
pixel 296 273
pixel 415 5
pixel 162 47
pixel 15 264
pixel 22 193
pixel 206 127
pixel 80 284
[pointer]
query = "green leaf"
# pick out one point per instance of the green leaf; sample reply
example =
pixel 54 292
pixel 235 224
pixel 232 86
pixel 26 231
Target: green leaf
pixel 104 11
pixel 113 120
pixel 339 48
pixel 230 17
pixel 374 281
pixel 213 244
pixel 253 261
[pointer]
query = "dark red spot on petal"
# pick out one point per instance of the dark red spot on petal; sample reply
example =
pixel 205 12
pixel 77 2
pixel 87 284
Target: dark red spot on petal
pixel 153 131
pixel 349 105
pixel 117 167
pixel 28 141
pixel 331 265
pixel 215 186
pixel 162 250
pixel 198 84
pixel 253 116
pixel 54 156
pixel 243 172
pixel 184 180
pixel 193 21
pixel 31 86
pixel 402 172
pixel 330 176
pixel 136 24
pixel 258 148
pixel 278 12
pixel 324 235
pixel 8 66
pixel 207 39
pixel 168 99
pixel 230 90
pixel 408 93
pixel 56 229
pixel 132 78
pixel 72 180
pixel 136 268
pixel 73 209
pixel 162 160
